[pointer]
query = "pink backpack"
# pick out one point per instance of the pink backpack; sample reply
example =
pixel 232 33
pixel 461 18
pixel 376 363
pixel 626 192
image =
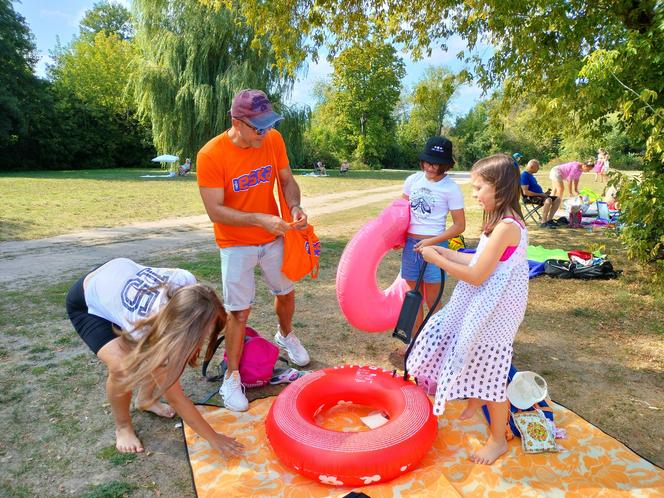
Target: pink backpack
pixel 256 364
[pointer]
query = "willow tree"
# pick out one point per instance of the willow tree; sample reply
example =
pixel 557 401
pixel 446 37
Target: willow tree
pixel 192 59
pixel 297 121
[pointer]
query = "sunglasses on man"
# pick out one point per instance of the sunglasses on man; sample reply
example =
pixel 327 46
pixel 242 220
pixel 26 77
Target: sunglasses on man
pixel 257 131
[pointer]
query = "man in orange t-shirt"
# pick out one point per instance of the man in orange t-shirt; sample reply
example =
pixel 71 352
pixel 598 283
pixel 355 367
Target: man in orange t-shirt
pixel 236 174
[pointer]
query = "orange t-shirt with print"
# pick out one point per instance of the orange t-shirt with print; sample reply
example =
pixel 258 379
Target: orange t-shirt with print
pixel 247 177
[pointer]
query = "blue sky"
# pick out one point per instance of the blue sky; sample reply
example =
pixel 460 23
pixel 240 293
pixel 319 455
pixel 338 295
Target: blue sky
pixel 49 19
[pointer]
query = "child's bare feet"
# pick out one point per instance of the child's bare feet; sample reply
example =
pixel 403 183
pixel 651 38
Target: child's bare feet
pixel 161 409
pixel 471 408
pixel 490 452
pixel 126 440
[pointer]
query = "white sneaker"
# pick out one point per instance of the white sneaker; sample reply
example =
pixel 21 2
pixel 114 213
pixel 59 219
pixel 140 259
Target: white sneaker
pixel 232 392
pixel 296 352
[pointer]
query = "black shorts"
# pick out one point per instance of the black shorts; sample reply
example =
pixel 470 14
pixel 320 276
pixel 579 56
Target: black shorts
pixel 540 200
pixel 95 331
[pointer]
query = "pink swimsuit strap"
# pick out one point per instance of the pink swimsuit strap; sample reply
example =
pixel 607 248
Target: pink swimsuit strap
pixel 509 250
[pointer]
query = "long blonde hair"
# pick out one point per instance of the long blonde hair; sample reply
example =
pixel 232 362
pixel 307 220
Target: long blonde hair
pixel 173 337
pixel 500 171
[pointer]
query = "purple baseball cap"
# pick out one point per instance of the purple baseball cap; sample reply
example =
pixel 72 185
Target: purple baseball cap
pixel 254 107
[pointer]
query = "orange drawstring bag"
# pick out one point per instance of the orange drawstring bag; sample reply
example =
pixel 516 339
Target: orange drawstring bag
pixel 301 247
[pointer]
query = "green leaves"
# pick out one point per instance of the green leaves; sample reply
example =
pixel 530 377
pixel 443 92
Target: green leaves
pixel 95 70
pixel 192 59
pixel 358 103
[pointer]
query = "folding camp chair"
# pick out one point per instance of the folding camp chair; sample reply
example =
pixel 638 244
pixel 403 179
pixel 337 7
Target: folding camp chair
pixel 532 209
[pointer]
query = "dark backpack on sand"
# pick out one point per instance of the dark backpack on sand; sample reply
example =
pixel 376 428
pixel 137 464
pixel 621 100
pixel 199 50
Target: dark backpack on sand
pixel 560 268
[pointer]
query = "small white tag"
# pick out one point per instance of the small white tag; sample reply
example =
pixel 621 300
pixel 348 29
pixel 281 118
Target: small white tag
pixel 374 420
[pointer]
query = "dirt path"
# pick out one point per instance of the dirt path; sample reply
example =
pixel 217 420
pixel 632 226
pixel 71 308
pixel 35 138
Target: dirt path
pixel 44 260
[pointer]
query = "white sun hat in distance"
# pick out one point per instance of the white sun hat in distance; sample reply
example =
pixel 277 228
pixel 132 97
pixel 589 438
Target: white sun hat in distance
pixel 526 389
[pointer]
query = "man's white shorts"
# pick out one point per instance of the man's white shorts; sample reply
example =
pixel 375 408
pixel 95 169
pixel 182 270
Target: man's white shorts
pixel 237 273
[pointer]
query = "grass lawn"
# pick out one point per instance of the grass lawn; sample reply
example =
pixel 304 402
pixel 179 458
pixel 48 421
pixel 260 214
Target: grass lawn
pixel 599 344
pixel 42 204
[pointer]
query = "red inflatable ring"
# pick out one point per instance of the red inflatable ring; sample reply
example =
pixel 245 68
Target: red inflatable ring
pixel 351 458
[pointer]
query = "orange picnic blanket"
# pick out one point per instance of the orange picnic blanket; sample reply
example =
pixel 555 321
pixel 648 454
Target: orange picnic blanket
pixel 594 464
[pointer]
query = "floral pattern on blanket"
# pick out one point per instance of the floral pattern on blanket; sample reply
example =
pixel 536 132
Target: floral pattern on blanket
pixel 594 464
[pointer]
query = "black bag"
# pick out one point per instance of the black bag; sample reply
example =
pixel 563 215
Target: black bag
pixel 603 271
pixel 559 268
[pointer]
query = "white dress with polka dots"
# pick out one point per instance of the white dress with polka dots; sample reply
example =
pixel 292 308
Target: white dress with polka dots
pixel 466 348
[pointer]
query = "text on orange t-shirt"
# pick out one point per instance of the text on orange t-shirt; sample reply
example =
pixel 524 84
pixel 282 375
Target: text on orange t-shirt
pixel 247 177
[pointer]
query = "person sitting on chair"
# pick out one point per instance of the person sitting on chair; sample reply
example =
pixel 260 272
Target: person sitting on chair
pixel 344 167
pixel 535 195
pixel 185 168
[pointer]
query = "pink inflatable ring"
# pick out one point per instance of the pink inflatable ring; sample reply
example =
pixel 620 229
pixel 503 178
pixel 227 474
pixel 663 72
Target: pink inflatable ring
pixel 363 303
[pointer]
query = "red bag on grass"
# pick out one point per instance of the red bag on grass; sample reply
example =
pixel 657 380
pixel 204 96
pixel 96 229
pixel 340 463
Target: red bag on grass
pixel 585 255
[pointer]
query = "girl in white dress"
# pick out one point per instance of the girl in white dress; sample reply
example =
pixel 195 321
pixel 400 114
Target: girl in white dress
pixel 466 348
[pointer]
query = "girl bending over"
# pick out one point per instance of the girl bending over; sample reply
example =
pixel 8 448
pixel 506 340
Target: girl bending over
pixel 162 318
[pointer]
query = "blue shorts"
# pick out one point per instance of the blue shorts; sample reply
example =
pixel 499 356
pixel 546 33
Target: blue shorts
pixel 411 264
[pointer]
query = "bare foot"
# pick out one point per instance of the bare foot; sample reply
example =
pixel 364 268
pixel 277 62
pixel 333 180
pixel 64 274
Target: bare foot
pixel 490 452
pixel 126 440
pixel 471 408
pixel 161 409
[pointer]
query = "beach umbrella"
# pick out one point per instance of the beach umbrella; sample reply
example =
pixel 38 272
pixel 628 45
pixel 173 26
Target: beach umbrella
pixel 165 158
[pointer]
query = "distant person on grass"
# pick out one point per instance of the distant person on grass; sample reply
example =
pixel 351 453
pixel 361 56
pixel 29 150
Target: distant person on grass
pixel 569 173
pixel 185 168
pixel 236 172
pixel 146 324
pixel 517 157
pixel 533 191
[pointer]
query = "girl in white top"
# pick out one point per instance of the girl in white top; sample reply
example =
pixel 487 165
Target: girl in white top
pixel 432 196
pixel 465 350
pixel 146 324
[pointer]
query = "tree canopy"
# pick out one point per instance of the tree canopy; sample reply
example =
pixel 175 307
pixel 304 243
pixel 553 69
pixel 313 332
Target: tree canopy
pixel 95 69
pixel 16 78
pixel 425 109
pixel 355 116
pixel 584 60
pixel 107 17
pixel 192 60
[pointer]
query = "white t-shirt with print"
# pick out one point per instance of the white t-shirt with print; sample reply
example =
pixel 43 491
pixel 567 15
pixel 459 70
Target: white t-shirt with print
pixel 122 291
pixel 430 201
